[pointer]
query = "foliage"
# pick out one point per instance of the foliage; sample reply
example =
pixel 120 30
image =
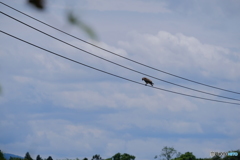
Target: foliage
pixel 168 153
pixel 186 156
pixel 49 158
pixel 38 157
pixel 96 157
pixel 71 18
pixel 1 156
pixel 27 156
pixel 117 156
pixel 124 156
pixel 178 154
pixel 39 4
pixel 233 157
pixel 216 157
pixel 15 158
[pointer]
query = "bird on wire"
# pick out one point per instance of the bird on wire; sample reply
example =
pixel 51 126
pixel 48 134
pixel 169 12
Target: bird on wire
pixel 148 81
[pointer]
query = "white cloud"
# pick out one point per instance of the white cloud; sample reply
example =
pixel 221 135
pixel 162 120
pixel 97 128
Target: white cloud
pixel 53 107
pixel 179 53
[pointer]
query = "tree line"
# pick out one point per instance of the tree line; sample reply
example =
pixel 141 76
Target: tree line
pixel 167 153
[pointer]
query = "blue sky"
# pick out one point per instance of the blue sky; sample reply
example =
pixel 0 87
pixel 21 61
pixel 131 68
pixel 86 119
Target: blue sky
pixel 53 107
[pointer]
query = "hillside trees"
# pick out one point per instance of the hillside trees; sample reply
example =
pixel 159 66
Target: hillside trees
pixel 186 156
pixel 96 157
pixel 27 156
pixel 124 156
pixel 38 157
pixel 1 156
pixel 233 157
pixel 49 158
pixel 168 153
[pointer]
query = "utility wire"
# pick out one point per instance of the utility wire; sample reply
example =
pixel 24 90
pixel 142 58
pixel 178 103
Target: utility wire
pixel 116 63
pixel 193 81
pixel 183 94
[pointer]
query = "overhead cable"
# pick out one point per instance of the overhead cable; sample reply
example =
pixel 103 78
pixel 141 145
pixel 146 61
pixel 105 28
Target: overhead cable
pixel 183 94
pixel 187 79
pixel 117 63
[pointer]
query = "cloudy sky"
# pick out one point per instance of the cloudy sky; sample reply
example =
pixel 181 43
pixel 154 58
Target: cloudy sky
pixel 54 107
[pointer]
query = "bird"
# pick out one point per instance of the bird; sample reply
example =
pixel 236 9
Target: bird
pixel 147 81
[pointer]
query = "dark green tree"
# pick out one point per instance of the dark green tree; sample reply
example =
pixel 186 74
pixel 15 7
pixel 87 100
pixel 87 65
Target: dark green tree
pixel 1 156
pixel 203 158
pixel 28 156
pixel 167 153
pixel 216 157
pixel 49 158
pixel 96 157
pixel 39 4
pixel 85 158
pixel 125 156
pixel 117 156
pixel 15 158
pixel 38 157
pixel 71 18
pixel 233 157
pixel 186 156
pixel 178 154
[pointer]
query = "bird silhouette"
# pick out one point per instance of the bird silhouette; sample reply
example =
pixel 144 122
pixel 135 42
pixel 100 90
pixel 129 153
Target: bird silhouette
pixel 147 81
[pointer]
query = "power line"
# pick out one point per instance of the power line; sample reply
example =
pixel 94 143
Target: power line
pixel 183 94
pixel 117 63
pixel 193 81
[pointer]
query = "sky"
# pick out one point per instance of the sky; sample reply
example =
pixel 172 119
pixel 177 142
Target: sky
pixel 53 107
